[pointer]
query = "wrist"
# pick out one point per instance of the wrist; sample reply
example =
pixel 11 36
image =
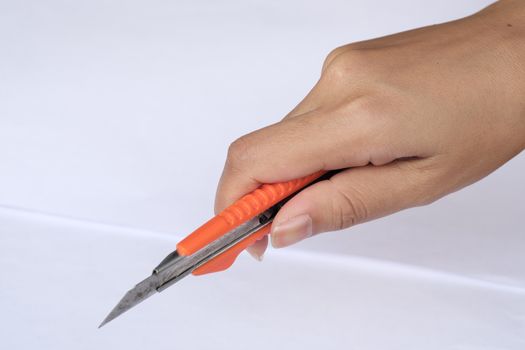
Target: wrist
pixel 503 25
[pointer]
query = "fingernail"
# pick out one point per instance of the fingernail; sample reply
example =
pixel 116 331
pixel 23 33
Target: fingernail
pixel 291 231
pixel 256 256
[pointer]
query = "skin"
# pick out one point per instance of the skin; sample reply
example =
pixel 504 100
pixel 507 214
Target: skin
pixel 412 117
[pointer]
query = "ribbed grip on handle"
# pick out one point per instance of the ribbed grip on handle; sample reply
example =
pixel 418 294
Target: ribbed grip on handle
pixel 241 211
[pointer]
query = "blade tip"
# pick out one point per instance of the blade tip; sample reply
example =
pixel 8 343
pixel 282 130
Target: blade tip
pixel 134 296
pixel 103 323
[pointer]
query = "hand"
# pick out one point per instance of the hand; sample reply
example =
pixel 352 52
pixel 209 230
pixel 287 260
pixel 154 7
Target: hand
pixel 412 117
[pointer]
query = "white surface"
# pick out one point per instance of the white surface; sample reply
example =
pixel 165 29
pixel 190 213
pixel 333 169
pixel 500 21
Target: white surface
pixel 121 112
pixel 59 287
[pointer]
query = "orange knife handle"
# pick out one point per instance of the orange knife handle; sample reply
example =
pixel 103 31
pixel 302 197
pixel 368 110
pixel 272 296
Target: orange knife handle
pixel 236 214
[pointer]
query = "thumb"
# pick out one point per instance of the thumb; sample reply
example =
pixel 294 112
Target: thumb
pixel 354 196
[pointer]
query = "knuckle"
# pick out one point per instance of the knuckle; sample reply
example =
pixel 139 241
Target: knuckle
pixel 240 151
pixel 344 62
pixel 332 55
pixel 348 208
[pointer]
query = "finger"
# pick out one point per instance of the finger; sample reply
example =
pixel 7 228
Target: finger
pixel 257 249
pixel 249 184
pixel 231 173
pixel 305 144
pixel 354 196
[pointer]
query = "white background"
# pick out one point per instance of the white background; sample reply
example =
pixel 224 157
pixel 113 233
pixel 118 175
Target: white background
pixel 114 122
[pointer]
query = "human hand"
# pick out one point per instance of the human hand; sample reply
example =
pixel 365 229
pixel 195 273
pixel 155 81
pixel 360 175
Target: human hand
pixel 411 117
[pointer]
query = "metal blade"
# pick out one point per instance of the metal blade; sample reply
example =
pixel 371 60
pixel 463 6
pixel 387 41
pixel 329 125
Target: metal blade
pixel 139 293
pixel 175 267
